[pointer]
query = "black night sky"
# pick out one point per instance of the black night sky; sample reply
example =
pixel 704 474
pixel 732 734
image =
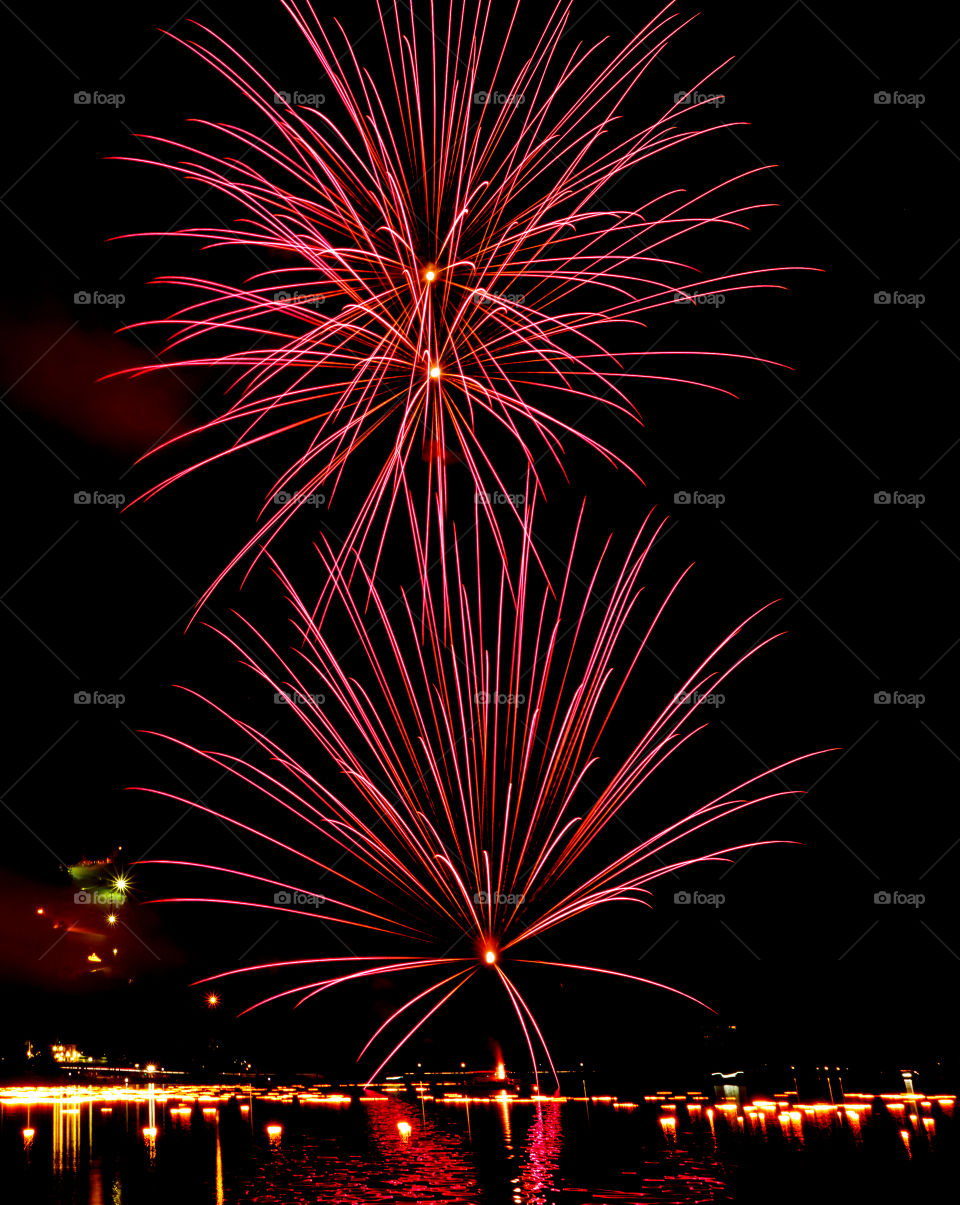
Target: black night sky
pixel 799 957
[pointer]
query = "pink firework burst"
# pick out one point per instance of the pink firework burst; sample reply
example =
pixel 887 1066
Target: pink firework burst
pixel 448 276
pixel 460 787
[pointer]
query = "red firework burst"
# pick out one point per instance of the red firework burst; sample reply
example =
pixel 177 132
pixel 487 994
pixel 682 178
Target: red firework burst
pixel 469 791
pixel 452 275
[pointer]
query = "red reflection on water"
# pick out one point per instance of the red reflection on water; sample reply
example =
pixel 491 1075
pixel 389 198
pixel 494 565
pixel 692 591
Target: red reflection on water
pixel 396 1149
pixel 422 1162
pixel 542 1155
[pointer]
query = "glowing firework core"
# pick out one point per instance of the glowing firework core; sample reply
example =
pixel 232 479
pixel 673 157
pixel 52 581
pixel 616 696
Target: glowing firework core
pixel 435 371
pixel 490 958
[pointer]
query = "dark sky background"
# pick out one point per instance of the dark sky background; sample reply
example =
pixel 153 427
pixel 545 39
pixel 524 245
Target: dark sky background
pixel 799 957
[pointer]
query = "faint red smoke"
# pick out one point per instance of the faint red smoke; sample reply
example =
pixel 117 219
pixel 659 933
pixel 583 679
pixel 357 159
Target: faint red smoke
pixel 52 367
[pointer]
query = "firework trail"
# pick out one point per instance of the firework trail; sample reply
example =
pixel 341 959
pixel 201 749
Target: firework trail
pixel 469 788
pixel 441 273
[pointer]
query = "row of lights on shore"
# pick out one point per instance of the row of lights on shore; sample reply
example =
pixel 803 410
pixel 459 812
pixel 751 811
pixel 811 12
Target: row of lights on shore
pixel 757 1113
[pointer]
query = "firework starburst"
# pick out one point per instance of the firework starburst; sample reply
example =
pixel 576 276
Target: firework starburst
pixel 446 266
pixel 460 785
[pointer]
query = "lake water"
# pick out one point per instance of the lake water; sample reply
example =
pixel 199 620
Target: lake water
pixel 180 1147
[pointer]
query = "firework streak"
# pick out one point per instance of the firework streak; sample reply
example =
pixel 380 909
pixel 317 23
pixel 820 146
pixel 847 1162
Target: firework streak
pixel 437 270
pixel 462 819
